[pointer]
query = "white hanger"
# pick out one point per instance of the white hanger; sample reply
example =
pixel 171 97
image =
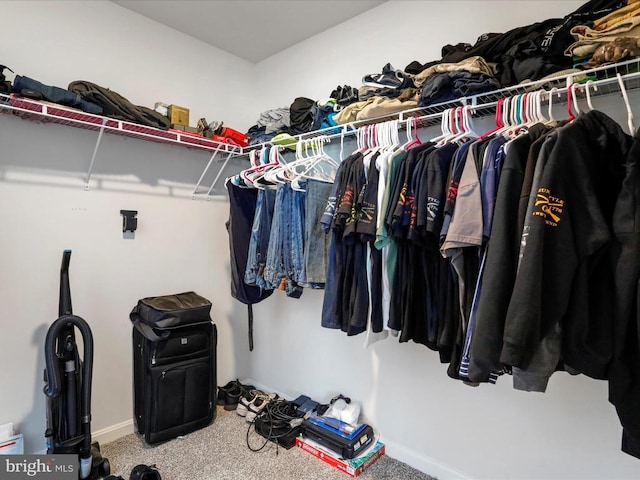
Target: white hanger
pixel 531 108
pixel 465 125
pixel 623 90
pixel 574 97
pixel 586 89
pixel 449 130
pixel 310 167
pixel 444 128
pixel 541 117
pixel 550 98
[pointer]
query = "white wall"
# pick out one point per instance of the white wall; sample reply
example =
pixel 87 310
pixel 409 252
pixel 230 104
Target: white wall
pixel 397 32
pixel 434 423
pixel 181 244
pixel 57 42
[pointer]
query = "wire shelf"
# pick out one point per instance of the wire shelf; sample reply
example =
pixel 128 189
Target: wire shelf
pixel 605 78
pixel 43 112
pixel 484 103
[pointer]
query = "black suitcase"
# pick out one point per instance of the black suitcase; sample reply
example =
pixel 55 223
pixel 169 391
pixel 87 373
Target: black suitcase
pixel 174 368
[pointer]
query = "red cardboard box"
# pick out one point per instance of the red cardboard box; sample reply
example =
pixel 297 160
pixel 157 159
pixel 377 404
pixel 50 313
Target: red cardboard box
pixel 353 467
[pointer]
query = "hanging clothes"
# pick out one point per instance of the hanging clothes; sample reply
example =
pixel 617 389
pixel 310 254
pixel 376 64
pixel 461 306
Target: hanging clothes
pixel 565 277
pixel 502 254
pixel 624 373
pixel 242 206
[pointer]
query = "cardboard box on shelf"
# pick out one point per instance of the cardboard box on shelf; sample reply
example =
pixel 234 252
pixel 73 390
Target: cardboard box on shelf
pixel 353 467
pixel 179 115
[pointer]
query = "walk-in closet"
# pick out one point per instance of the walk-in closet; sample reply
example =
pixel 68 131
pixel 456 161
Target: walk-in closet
pixel 480 308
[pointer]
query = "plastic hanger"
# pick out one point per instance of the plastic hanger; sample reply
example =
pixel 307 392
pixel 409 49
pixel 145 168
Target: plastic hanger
pixel 541 117
pixel 444 131
pixel 531 108
pixel 623 90
pixel 311 166
pixel 412 126
pixel 453 129
pixel 408 127
pixel 497 119
pixel 465 129
pixel 518 117
pixel 267 158
pixel 588 93
pixel 550 99
pixel 508 116
pixel 572 100
pixel 417 140
pixel 264 178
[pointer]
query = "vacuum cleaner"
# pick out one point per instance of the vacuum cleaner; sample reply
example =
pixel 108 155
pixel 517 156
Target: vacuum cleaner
pixel 67 379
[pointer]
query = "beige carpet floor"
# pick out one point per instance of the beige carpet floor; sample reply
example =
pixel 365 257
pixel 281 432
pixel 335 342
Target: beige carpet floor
pixel 220 452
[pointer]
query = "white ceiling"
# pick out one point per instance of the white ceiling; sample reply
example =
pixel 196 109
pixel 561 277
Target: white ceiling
pixel 250 29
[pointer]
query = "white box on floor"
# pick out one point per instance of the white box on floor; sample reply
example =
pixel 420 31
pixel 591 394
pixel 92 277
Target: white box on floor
pixel 12 446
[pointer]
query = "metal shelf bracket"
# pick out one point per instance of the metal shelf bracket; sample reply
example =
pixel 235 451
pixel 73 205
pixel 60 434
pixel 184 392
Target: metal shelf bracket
pixel 95 152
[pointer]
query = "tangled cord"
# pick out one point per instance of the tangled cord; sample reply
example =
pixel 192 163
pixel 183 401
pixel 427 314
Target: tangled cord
pixel 281 417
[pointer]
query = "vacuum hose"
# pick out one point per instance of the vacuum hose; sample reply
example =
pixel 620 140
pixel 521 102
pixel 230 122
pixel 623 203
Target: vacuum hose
pixel 53 384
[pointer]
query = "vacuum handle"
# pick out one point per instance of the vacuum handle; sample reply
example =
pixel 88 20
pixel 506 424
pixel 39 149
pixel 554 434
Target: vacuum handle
pixel 64 304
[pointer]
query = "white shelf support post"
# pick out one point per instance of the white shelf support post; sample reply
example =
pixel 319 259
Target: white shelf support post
pixel 95 152
pixel 215 180
pixel 213 156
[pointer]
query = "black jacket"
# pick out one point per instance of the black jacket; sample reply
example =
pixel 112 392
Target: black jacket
pixel 624 374
pixel 502 258
pixel 565 275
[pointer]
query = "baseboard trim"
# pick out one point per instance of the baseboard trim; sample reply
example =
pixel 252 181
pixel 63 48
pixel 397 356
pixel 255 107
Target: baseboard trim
pixel 114 432
pixel 106 435
pixel 424 463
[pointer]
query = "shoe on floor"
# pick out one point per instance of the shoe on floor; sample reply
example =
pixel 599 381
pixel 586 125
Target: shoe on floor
pixel 145 472
pixel 245 401
pixel 257 405
pixel 222 391
pixel 235 393
pixel 232 397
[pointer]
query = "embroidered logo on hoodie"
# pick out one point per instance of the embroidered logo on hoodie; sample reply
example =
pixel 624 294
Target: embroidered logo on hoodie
pixel 548 207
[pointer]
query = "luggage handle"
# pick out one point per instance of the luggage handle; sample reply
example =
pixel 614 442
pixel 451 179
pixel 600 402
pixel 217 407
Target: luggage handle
pixel 146 331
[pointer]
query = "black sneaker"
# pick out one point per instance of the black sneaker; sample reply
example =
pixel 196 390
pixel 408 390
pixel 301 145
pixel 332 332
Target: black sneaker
pixel 145 472
pixel 233 396
pixel 222 391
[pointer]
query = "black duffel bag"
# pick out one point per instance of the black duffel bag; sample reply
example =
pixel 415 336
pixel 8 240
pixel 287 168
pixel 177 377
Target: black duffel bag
pixel 5 85
pixel 154 317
